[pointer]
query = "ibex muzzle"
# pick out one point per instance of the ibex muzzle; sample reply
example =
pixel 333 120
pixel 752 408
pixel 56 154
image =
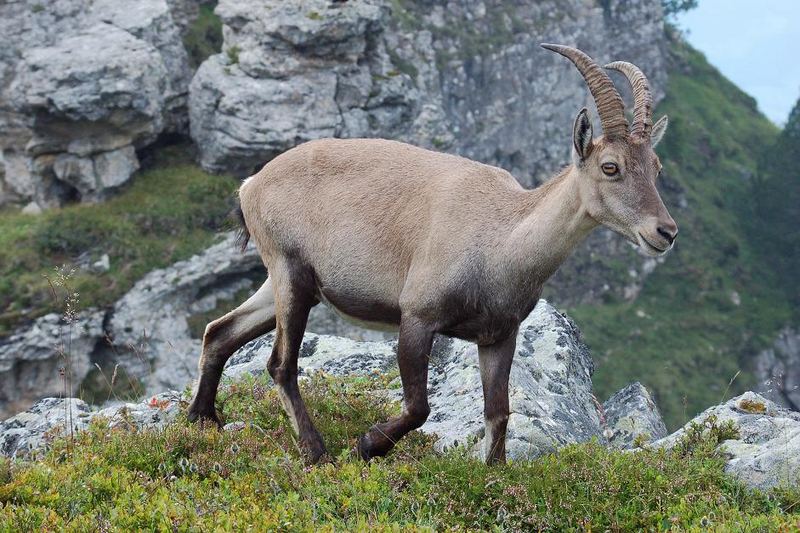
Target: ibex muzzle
pixel 424 242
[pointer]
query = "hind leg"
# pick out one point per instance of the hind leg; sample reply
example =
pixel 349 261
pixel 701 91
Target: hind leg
pixel 295 296
pixel 222 338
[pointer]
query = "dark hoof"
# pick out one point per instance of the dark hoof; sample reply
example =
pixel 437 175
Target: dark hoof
pixel 204 417
pixel 367 448
pixel 364 448
pixel 314 452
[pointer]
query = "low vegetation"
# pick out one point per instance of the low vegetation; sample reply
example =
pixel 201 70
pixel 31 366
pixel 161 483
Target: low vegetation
pixel 171 211
pixel 203 38
pixel 185 478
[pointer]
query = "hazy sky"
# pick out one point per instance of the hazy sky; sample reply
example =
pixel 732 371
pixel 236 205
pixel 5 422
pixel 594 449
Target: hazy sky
pixel 756 44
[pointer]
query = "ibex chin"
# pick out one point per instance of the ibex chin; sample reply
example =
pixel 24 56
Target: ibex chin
pixel 393 235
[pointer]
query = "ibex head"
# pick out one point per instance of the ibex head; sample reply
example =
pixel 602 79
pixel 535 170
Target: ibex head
pixel 619 169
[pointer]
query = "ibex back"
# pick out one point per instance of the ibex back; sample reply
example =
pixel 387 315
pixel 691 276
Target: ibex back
pixel 397 236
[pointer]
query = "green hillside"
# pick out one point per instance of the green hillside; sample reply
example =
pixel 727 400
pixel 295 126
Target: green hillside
pixel 717 299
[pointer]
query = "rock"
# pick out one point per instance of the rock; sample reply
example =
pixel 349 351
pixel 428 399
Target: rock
pixel 632 418
pixel 33 429
pixel 550 384
pixel 30 430
pixel 767 452
pixel 32 209
pixel 83 85
pixel 777 370
pixel 381 68
pixel 32 357
pixel 154 412
pixel 102 264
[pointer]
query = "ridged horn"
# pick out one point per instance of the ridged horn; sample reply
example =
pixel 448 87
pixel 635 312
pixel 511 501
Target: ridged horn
pixel 608 101
pixel 642 97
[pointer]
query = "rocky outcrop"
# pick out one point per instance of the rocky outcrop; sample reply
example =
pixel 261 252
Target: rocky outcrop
pixel 631 418
pixel 35 360
pixel 469 78
pixel 83 85
pixel 766 452
pixel 777 370
pixel 549 388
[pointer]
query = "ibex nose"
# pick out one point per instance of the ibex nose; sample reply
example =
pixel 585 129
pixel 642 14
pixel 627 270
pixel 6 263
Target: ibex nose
pixel 668 230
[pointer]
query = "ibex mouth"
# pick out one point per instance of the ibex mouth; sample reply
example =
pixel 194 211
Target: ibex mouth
pixel 649 248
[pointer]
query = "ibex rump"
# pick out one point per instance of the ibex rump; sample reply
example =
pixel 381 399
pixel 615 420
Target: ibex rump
pixel 426 242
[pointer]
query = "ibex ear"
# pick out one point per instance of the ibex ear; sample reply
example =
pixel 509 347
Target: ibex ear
pixel 659 128
pixel 581 136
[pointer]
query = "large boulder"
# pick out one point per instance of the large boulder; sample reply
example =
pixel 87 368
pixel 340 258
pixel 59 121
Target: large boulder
pixel 82 87
pixel 766 452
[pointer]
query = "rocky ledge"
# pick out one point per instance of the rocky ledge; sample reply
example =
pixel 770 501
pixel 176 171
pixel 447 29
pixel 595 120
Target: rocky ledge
pixel 550 390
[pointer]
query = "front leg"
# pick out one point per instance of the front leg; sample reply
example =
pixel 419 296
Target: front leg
pixel 495 362
pixel 413 353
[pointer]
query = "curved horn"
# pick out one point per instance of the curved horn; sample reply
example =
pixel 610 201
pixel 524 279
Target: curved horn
pixel 642 97
pixel 609 103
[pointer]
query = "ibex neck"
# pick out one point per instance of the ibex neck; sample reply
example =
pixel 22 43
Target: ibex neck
pixel 554 221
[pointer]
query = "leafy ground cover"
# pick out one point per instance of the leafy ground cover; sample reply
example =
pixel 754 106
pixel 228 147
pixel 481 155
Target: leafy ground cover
pixel 170 211
pixel 184 478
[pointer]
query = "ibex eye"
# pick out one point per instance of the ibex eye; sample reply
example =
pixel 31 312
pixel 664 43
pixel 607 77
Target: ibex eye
pixel 610 169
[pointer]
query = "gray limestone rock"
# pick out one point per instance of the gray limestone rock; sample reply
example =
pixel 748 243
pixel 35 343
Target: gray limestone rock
pixel 777 369
pixel 83 84
pixel 767 452
pixel 32 357
pixel 31 430
pixel 631 418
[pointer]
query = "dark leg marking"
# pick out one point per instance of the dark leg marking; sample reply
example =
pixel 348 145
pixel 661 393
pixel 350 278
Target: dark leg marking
pixel 495 362
pixel 413 352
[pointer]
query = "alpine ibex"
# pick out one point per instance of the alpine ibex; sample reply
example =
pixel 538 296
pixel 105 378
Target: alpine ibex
pixel 393 235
